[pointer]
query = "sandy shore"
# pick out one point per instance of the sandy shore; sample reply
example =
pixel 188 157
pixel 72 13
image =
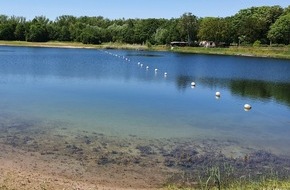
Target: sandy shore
pixel 26 170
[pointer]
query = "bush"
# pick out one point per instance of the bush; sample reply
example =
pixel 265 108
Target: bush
pixel 245 44
pixel 257 43
pixel 148 44
pixel 277 45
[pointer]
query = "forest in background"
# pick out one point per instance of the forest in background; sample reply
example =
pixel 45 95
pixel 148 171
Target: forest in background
pixel 265 25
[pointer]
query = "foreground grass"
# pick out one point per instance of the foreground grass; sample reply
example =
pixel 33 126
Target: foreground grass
pixel 264 185
pixel 272 52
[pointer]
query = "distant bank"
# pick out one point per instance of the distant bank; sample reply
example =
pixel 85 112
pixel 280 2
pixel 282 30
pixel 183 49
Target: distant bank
pixel 270 52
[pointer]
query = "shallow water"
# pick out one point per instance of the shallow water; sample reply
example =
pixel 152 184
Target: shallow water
pixel 106 91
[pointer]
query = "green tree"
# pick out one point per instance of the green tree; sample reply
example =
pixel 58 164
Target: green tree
pixel 3 19
pixel 38 30
pixel 116 32
pixel 76 31
pixel 129 32
pixel 20 32
pixel 52 31
pixel 144 29
pixel 64 34
pixel 173 31
pixel 188 27
pixel 7 31
pixel 286 10
pixel 37 33
pixel 280 30
pixel 255 22
pixel 8 27
pixel 20 29
pixel 210 29
pixel 62 27
pixel 160 36
pixel 91 35
pixel 215 29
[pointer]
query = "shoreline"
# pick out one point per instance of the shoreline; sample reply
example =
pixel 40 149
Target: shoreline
pixel 259 52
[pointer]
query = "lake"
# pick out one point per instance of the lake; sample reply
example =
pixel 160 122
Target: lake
pixel 112 93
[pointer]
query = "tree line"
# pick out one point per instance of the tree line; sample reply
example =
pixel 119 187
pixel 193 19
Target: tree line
pixel 255 25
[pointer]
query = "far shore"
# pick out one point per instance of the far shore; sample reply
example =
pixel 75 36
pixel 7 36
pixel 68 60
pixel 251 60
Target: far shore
pixel 265 52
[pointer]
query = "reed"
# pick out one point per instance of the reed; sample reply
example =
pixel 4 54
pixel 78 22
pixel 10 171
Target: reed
pixel 221 178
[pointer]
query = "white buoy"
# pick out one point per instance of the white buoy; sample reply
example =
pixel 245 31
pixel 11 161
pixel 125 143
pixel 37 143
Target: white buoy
pixel 247 107
pixel 138 63
pixel 165 74
pixel 147 67
pixel 218 94
pixel 192 83
pixel 141 65
pixel 156 70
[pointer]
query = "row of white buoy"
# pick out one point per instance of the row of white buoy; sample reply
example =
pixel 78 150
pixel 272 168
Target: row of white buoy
pixel 138 63
pixel 247 107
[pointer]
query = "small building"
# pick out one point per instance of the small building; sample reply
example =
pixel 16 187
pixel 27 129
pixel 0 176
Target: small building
pixel 207 44
pixel 177 43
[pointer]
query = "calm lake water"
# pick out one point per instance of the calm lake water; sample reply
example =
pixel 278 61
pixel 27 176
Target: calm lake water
pixel 107 91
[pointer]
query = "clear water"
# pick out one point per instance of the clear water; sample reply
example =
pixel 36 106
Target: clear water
pixel 107 91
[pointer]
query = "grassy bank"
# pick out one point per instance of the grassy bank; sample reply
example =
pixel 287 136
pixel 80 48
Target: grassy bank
pixel 47 44
pixel 74 45
pixel 272 52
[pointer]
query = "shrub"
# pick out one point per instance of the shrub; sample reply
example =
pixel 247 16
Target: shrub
pixel 257 43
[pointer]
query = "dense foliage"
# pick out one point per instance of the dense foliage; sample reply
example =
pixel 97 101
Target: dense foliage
pixel 263 25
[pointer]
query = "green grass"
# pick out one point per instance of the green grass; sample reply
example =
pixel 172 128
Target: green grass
pixel 225 177
pixel 241 185
pixel 273 52
pixel 73 45
pixel 47 44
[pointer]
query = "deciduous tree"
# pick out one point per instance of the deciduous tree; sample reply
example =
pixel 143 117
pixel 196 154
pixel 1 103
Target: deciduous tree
pixel 280 30
pixel 188 26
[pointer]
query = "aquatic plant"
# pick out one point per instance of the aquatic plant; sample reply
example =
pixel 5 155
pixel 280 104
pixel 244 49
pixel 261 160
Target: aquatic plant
pixel 217 181
pixel 227 176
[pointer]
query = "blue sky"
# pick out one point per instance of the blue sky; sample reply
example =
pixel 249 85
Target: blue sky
pixel 114 9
